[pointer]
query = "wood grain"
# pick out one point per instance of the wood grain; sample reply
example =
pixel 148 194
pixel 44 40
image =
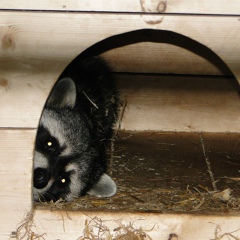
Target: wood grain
pixel 154 102
pixel 59 37
pixel 70 225
pixel 16 151
pixel 33 55
pixel 180 103
pixel 172 6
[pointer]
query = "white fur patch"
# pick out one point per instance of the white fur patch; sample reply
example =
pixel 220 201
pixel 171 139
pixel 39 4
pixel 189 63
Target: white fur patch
pixel 39 161
pixel 105 187
pixel 75 183
pixel 54 127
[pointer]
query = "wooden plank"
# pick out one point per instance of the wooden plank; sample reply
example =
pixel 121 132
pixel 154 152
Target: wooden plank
pixel 170 6
pixel 70 225
pixel 168 103
pixel 45 37
pixel 160 58
pixel 24 90
pixel 34 54
pixel 180 103
pixel 16 149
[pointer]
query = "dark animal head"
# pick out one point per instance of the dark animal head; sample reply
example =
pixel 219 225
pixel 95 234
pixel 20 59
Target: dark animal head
pixel 68 161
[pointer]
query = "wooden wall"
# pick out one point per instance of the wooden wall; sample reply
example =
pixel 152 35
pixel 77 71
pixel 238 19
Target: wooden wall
pixel 228 7
pixel 37 45
pixel 35 52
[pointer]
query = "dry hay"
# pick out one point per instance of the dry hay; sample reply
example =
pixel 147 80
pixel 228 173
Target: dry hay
pixel 229 235
pixel 193 199
pixel 24 230
pixel 95 229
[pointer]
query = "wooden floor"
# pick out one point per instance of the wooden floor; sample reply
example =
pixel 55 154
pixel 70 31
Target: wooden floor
pixel 171 172
pixel 161 171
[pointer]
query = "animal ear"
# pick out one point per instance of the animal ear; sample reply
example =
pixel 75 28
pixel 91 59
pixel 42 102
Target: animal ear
pixel 105 187
pixel 63 94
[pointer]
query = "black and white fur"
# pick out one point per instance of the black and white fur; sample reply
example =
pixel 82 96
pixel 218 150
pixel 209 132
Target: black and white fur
pixel 76 123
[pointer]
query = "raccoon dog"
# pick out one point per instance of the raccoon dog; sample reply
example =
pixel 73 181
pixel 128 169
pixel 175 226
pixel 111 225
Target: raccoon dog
pixel 76 123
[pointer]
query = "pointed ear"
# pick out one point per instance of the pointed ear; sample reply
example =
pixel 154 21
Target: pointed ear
pixel 105 187
pixel 63 94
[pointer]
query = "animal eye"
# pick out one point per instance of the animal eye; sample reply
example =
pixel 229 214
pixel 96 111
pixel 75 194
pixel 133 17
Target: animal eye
pixel 63 180
pixel 50 145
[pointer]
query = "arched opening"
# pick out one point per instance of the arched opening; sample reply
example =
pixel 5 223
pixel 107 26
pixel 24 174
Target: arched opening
pixel 161 164
pixel 154 36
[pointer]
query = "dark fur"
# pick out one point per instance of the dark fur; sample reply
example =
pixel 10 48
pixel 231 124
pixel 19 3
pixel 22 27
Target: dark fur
pixel 93 76
pixel 87 125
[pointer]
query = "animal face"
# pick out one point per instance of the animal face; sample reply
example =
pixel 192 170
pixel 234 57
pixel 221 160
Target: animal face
pixel 68 161
pixel 61 157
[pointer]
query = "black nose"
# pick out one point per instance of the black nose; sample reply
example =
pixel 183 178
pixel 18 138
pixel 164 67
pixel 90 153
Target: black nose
pixel 40 178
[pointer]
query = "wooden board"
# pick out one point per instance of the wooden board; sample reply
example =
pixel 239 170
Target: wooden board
pixel 47 38
pixel 71 225
pixel 16 154
pixel 170 6
pixel 33 55
pixel 23 92
pixel 180 103
pixel 160 58
pixel 153 102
